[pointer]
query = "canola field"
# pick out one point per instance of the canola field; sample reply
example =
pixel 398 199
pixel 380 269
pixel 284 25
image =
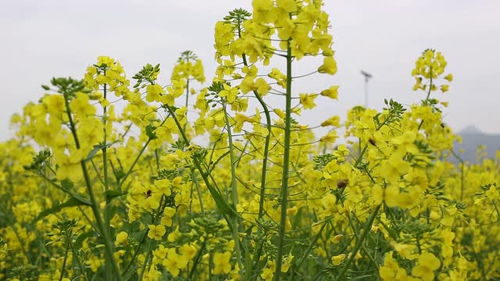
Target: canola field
pixel 125 177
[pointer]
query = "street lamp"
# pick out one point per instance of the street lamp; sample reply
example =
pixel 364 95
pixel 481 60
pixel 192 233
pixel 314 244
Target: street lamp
pixel 367 77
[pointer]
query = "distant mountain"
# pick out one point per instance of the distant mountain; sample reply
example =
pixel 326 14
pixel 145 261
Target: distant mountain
pixel 472 138
pixel 471 130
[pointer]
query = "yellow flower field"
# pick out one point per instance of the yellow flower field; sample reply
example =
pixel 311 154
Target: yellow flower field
pixel 118 177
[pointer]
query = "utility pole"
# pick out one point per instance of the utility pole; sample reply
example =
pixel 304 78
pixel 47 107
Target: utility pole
pixel 367 76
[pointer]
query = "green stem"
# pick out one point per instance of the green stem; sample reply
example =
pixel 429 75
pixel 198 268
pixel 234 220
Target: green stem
pixel 310 247
pixel 96 170
pixel 198 189
pixel 286 164
pixel 187 101
pixel 105 172
pixel 80 199
pixel 154 220
pixel 136 252
pixel 430 85
pixel 234 190
pixel 266 143
pixel 63 268
pixel 266 149
pixel 419 247
pixel 157 159
pixel 78 261
pixel 197 259
pixel 462 173
pixel 363 248
pixel 146 260
pixel 21 243
pixel 104 149
pixel 359 242
pixel 225 208
pixel 105 154
pixel 108 244
pixel 134 163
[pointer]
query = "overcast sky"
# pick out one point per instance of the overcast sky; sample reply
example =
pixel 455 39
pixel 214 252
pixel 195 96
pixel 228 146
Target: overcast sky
pixel 40 39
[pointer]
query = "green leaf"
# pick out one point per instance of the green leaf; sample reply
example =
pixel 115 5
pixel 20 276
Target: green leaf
pixel 110 194
pixel 150 132
pixel 79 240
pixel 67 184
pixel 222 205
pixel 72 202
pixel 96 149
pixel 132 270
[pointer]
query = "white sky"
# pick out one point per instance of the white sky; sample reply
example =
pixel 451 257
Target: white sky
pixel 42 39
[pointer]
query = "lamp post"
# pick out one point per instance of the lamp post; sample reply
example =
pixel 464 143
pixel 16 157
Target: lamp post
pixel 367 77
